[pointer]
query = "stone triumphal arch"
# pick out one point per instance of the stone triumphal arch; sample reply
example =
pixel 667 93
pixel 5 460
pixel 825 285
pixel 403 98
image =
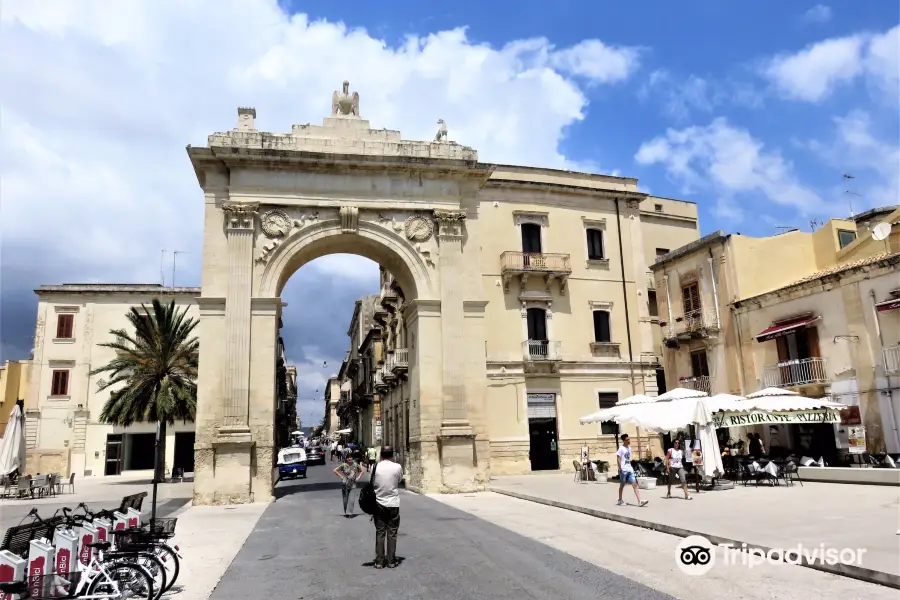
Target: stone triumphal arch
pixel 275 201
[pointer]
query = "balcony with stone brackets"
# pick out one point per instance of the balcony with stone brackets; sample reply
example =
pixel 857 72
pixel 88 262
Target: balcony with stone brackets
pixel 798 372
pixel 892 360
pixel 541 356
pixel 381 386
pixel 400 361
pixel 700 383
pixel 527 264
pixel 696 324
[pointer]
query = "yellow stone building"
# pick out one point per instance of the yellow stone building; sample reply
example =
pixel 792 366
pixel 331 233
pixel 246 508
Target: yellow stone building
pixel 818 313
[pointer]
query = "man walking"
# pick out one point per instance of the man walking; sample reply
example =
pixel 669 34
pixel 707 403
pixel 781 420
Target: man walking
pixel 386 482
pixel 371 457
pixel 626 471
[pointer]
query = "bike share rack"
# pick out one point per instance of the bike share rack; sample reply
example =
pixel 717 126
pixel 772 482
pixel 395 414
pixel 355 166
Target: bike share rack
pixel 51 548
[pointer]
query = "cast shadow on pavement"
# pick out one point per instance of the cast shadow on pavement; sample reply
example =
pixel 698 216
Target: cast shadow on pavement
pixel 371 563
pixel 289 487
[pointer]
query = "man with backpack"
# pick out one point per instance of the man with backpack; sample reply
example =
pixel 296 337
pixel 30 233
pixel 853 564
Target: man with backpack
pixel 385 490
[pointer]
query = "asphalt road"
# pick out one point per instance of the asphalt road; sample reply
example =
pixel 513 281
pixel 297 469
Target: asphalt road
pixel 303 547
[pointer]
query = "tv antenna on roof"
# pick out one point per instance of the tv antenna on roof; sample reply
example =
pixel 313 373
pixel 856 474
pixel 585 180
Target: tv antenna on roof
pixel 814 224
pixel 847 177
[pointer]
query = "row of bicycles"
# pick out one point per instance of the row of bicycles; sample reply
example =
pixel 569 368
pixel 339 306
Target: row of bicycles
pixel 94 555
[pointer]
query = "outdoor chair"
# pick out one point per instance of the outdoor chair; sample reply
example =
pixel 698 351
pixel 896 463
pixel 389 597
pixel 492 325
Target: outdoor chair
pixel 579 472
pixel 748 474
pixel 70 483
pixel 40 485
pixel 790 474
pixel 24 488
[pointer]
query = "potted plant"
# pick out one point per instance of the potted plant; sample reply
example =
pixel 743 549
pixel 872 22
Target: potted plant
pixel 602 471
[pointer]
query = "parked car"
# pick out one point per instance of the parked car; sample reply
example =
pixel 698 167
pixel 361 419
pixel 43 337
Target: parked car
pixel 315 456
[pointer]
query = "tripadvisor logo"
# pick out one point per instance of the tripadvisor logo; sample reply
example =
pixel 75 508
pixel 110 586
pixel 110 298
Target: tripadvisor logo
pixel 696 555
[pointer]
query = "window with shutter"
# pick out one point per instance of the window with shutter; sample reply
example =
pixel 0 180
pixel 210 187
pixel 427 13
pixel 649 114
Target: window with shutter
pixel 699 364
pixel 601 326
pixel 595 244
pixel 608 400
pixel 690 295
pixel 60 383
pixel 65 326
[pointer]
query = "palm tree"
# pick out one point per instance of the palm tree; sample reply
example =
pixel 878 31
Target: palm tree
pixel 158 367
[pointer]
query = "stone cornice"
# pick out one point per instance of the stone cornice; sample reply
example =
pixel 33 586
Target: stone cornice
pixel 117 288
pixel 565 189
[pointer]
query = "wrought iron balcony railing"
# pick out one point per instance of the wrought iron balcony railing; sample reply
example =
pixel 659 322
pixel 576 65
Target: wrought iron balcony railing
pixel 540 350
pixel 797 372
pixel 701 383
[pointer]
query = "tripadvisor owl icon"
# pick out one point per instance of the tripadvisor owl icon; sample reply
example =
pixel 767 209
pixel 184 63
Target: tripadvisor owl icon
pixel 695 555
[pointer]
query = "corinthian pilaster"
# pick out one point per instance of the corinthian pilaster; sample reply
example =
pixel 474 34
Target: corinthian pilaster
pixel 450 233
pixel 240 226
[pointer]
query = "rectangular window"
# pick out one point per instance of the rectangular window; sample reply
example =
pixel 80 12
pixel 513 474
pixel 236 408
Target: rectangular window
pixel 661 251
pixel 658 207
pixel 699 365
pixel 690 295
pixel 65 326
pixel 59 385
pixel 846 237
pixel 651 303
pixel 601 326
pixel 531 238
pixel 608 400
pixel 595 244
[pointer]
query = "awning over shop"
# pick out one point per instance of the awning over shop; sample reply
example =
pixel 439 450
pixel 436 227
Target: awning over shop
pixel 781 329
pixel 887 305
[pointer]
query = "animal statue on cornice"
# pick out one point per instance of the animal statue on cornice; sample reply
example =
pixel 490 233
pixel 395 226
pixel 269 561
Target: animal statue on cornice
pixel 345 103
pixel 441 135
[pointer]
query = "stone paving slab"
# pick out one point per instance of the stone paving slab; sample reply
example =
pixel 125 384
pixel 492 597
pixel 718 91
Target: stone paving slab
pixel 838 516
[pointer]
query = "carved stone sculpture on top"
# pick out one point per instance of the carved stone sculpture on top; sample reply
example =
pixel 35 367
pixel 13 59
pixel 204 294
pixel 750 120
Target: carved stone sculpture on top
pixel 441 134
pixel 345 103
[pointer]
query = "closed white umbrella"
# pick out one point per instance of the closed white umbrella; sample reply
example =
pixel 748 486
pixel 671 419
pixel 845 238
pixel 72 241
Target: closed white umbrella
pixel 12 446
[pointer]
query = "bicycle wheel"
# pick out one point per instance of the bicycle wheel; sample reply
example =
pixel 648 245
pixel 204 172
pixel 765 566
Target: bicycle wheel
pixel 170 559
pixel 157 570
pixel 124 580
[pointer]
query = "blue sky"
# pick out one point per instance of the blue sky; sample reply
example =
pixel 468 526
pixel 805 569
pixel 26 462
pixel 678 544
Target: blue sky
pixel 753 110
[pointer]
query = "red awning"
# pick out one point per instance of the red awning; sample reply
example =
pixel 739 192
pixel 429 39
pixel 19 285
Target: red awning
pixel 781 329
pixel 888 305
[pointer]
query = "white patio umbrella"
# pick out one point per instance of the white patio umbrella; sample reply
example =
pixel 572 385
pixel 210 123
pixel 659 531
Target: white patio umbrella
pixel 777 399
pixel 681 394
pixel 12 446
pixel 621 407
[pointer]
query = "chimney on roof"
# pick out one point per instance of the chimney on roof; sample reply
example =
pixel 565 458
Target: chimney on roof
pixel 246 118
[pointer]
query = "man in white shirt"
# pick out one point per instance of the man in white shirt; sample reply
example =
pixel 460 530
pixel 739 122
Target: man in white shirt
pixel 387 477
pixel 626 471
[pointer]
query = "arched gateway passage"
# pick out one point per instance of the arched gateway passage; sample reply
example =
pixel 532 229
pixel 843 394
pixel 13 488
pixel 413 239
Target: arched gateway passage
pixel 277 201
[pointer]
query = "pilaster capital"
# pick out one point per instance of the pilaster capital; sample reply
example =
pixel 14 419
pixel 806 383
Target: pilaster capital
pixel 240 216
pixel 451 223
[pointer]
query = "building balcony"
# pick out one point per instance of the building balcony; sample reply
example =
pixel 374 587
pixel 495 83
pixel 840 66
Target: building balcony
pixel 700 383
pixel 525 264
pixel 609 350
pixel 795 373
pixel 400 362
pixel 695 324
pixel 540 351
pixel 379 383
pixel 387 370
pixel 892 360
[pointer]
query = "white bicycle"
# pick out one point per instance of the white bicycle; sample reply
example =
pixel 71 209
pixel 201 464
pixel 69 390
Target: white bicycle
pixel 98 581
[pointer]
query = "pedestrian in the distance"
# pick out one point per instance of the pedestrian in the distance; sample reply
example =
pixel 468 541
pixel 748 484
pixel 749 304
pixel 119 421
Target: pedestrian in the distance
pixel 626 471
pixel 675 469
pixel 387 478
pixel 371 457
pixel 349 472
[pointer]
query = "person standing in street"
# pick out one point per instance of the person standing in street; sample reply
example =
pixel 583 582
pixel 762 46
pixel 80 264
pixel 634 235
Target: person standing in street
pixel 349 472
pixel 675 468
pixel 371 457
pixel 386 482
pixel 626 471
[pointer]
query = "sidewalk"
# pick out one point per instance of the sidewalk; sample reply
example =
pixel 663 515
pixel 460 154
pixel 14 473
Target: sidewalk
pixel 838 516
pixel 210 537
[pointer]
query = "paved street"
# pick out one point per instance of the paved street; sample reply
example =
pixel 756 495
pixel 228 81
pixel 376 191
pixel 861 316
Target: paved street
pixel 302 547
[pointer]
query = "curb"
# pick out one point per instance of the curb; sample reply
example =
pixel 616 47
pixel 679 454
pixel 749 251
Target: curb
pixel 851 571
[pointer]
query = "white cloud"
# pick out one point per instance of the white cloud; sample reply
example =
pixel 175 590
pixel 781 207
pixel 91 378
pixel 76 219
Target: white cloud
pixel 598 62
pixel 680 96
pixel 102 98
pixel 815 72
pixel 730 164
pixel 818 14
pixel 856 147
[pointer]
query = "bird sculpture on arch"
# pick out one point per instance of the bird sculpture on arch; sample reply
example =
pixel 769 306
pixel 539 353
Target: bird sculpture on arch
pixel 344 103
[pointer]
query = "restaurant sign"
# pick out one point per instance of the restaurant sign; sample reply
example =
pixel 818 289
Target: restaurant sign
pixel 759 417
